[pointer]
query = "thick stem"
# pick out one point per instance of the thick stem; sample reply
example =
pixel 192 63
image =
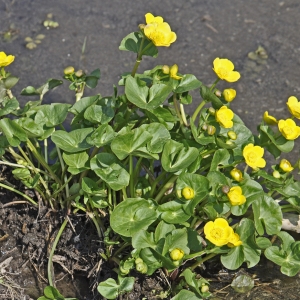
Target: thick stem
pixel 166 187
pixel 198 109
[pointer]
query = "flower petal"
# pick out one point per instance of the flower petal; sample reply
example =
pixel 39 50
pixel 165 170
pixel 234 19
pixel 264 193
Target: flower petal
pixel 220 222
pixel 227 64
pixel 233 76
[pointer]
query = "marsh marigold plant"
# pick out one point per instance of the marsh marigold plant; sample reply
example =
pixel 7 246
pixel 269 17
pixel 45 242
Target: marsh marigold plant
pixel 164 189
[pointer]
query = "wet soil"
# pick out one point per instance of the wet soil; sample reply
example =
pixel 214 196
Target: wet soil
pixel 26 237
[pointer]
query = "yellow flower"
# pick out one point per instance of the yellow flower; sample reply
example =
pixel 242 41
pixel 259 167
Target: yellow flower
pixel 176 254
pixel 223 67
pixel 158 31
pixel 224 116
pixel 236 174
pixel 235 196
pixel 285 166
pixel 151 19
pixel 188 193
pixel 218 232
pixel 234 241
pixel 294 106
pixel 289 129
pixel 270 120
pixel 6 60
pixel 229 94
pixel 173 72
pixel 253 156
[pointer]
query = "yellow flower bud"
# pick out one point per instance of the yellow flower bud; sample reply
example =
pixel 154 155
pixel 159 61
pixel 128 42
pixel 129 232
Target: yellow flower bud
pixel 79 73
pixel 236 174
pixel 211 111
pixel 165 69
pixel 204 288
pixel 276 174
pixel 285 165
pixel 188 193
pixel 142 26
pixel 218 93
pixel 176 254
pixel 141 267
pixel 173 72
pixel 229 94
pixel 270 120
pixel 232 135
pixel 69 70
pixel 234 240
pixel 211 130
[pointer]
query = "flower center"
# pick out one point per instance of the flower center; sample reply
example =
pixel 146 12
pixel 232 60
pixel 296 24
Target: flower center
pixel 223 72
pixel 217 233
pixel 252 157
pixel 287 130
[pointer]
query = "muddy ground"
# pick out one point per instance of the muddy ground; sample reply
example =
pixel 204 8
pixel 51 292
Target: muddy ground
pixel 27 235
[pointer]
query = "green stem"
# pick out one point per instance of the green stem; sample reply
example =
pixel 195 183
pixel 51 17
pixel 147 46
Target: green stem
pixel 18 192
pixel 177 108
pixel 50 265
pixel 137 169
pixel 166 187
pixel 194 255
pixel 65 176
pixel 94 152
pixel 198 109
pixel 126 244
pixel 35 170
pixel 131 182
pixel 42 161
pixel 183 115
pixel 214 84
pixel 156 181
pixel 139 58
pixel 198 263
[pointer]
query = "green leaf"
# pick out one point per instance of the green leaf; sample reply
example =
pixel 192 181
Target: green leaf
pixel 33 129
pixel 132 215
pixel 108 288
pixel 187 83
pixel 162 229
pixel 110 170
pixel 51 115
pixel 126 144
pixel 173 212
pixel 126 284
pixel 144 97
pixel 52 293
pixel 99 114
pixel 177 157
pixel 92 79
pixel 221 157
pixel 103 135
pixel 10 82
pixel 159 136
pixel 190 279
pixel 13 132
pixel 74 141
pixel 288 259
pixel 186 295
pixel 267 213
pixel 76 160
pixel 143 239
pixel 9 105
pixel 132 42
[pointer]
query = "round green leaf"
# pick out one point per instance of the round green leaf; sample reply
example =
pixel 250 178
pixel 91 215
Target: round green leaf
pixel 131 216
